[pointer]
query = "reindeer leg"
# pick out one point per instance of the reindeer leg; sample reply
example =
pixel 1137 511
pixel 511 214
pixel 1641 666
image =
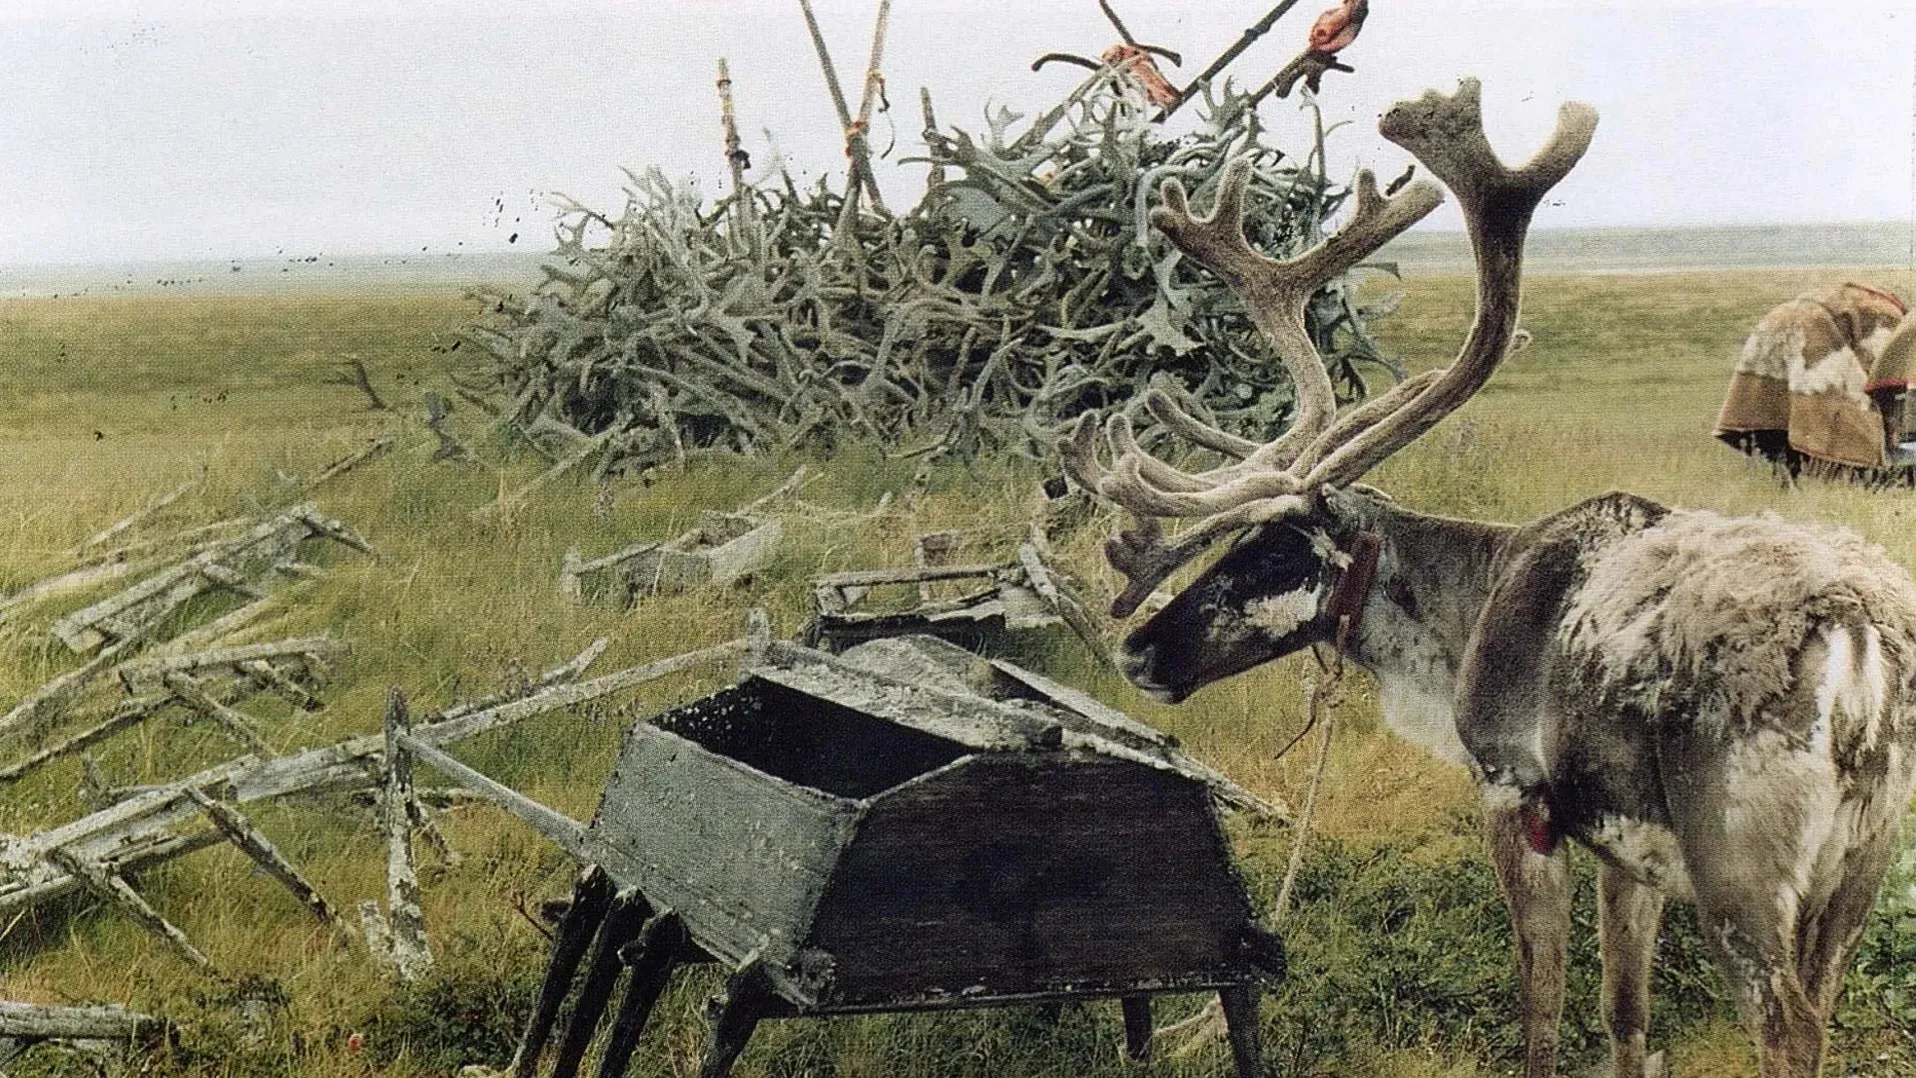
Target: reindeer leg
pixel 1537 890
pixel 1750 945
pixel 1630 913
pixel 1826 939
pixel 1741 864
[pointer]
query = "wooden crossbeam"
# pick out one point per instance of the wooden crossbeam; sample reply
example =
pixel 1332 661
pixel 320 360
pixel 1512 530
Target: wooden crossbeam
pixel 116 890
pixel 234 722
pixel 241 832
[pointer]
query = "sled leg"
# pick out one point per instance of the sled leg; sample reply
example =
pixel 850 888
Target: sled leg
pixel 1137 1027
pixel 629 910
pixel 590 896
pixel 1240 1018
pixel 746 1000
pixel 652 958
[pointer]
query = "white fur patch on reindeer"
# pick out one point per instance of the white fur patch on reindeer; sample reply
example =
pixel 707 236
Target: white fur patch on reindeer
pixel 1422 715
pixel 1281 615
pixel 1648 851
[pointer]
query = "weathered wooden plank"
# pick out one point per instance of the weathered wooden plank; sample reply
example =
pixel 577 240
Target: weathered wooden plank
pixel 269 677
pixel 137 853
pixel 134 832
pixel 133 519
pixel 965 718
pixel 234 722
pixel 742 856
pixel 1113 729
pixel 145 675
pixel 241 833
pixel 747 998
pixel 412 954
pixel 128 714
pixel 568 834
pixel 233 621
pixel 567 672
pixel 1016 873
pixel 45 704
pixel 566 695
pixel 34 1022
pixel 352 460
pixel 239 558
pixel 116 890
pixel 743 554
pixel 907 575
pixel 80 579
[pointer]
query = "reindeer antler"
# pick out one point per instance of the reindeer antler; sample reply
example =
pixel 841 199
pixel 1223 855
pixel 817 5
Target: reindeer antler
pixel 1265 481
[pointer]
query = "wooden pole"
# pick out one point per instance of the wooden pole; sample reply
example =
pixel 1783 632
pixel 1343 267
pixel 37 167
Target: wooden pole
pixel 741 210
pixel 240 831
pixel 935 177
pixel 590 897
pixel 856 146
pixel 410 952
pixel 1224 59
pixel 116 890
pixel 874 90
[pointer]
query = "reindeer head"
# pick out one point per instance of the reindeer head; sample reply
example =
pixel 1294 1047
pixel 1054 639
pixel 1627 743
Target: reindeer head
pixel 1272 592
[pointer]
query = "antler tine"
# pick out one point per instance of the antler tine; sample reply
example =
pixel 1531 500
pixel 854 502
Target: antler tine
pixel 1146 559
pixel 1078 454
pixel 1275 293
pixel 1126 452
pixel 1447 135
pixel 1194 430
pixel 1126 486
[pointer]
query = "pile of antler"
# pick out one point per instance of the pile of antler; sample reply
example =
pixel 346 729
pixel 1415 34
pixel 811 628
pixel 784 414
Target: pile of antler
pixel 1024 289
pixel 1265 481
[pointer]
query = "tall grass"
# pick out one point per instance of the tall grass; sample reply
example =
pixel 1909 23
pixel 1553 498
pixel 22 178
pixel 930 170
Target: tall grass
pixel 1400 963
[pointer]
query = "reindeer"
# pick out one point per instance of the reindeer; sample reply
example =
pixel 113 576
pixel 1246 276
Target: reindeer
pixel 1720 709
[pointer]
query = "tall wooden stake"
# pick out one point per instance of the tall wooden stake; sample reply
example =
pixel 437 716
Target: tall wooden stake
pixel 857 147
pixel 1224 59
pixel 741 211
pixel 410 953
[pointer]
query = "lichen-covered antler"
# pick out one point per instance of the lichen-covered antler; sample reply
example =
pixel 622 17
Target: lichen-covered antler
pixel 1268 480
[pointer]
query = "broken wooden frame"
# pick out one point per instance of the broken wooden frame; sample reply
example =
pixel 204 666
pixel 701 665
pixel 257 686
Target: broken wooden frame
pixel 906 827
pixel 96 1031
pixel 111 630
pixel 1024 593
pixel 724 548
pixel 152 825
pixel 721 550
pixel 207 683
pixel 240 565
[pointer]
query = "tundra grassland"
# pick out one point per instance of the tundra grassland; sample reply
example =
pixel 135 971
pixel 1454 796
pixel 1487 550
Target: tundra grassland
pixel 1400 953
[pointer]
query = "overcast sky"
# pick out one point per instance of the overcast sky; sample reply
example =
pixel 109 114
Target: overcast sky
pixel 232 128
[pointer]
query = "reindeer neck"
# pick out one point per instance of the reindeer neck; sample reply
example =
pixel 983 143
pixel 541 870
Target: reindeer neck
pixel 1434 577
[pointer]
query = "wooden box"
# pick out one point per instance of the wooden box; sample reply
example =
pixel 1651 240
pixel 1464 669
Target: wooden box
pixel 879 843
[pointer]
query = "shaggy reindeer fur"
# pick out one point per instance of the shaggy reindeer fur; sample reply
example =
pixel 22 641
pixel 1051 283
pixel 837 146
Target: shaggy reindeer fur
pixel 1720 708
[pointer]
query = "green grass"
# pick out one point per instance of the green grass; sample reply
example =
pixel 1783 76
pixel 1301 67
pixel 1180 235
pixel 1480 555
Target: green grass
pixel 1401 964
